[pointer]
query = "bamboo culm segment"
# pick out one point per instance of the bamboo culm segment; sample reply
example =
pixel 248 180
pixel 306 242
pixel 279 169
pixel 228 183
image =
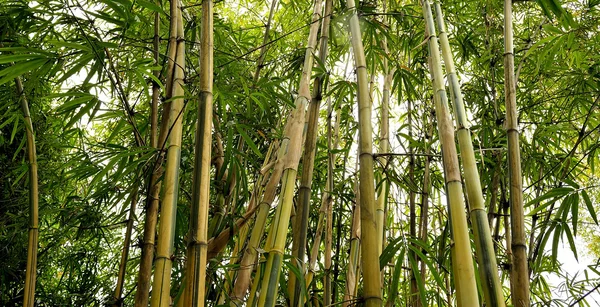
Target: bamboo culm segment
pixel 519 269
pixel 462 261
pixel 32 245
pixel 198 233
pixel 163 263
pixel 488 269
pixel 369 248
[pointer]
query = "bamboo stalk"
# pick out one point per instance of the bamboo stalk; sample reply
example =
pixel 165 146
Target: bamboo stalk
pixel 353 258
pixel 488 269
pixel 263 48
pixel 250 256
pixel 415 298
pixel 154 183
pixel 162 276
pixel 462 262
pixel 519 270
pixel 308 163
pixel 291 144
pixel 198 233
pixel 423 232
pixel 32 242
pixel 369 249
pixel 126 243
pixel 314 254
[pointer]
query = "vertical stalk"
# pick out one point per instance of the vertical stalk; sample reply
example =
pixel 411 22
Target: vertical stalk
pixel 519 271
pixel 126 243
pixel 263 49
pixel 353 258
pixel 370 243
pixel 423 232
pixel 484 246
pixel 308 163
pixel 415 298
pixel 464 273
pixel 162 275
pixel 291 144
pixel 198 232
pixel 32 245
pixel 154 184
pixel 250 256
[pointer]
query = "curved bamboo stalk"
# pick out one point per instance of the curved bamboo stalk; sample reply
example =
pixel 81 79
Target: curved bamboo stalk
pixel 291 144
pixel 198 232
pixel 462 261
pixel 370 243
pixel 519 270
pixel 484 245
pixel 308 164
pixel 32 245
pixel 250 256
pixel 162 275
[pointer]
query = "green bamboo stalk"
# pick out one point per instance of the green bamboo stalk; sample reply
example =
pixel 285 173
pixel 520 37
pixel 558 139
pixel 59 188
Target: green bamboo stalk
pixel 118 301
pixel 353 258
pixel 250 255
pixel 370 243
pixel 519 270
pixel 198 232
pixel 291 144
pixel 32 245
pixel 423 232
pixel 325 200
pixel 308 163
pixel 154 183
pixel 462 262
pixel 162 276
pixel 484 245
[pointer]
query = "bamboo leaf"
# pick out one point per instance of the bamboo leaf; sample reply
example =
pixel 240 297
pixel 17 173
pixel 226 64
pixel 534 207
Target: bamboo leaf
pixel 590 207
pixel 248 140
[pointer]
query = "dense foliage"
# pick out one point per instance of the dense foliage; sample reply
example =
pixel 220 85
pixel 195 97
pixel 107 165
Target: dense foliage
pixel 87 69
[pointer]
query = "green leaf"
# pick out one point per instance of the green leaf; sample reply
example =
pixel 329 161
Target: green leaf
pixel 590 207
pixel 151 6
pixel 248 140
pixel 20 68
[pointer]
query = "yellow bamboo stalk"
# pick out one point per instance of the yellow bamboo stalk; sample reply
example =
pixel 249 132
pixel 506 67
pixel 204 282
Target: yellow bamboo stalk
pixel 519 270
pixel 32 243
pixel 163 263
pixel 370 243
pixel 462 262
pixel 488 269
pixel 198 234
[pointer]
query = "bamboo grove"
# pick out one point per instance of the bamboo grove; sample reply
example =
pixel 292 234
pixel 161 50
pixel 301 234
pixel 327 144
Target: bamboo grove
pixel 299 153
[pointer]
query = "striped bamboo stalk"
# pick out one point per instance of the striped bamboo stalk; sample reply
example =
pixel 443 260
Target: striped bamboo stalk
pixel 462 261
pixel 484 245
